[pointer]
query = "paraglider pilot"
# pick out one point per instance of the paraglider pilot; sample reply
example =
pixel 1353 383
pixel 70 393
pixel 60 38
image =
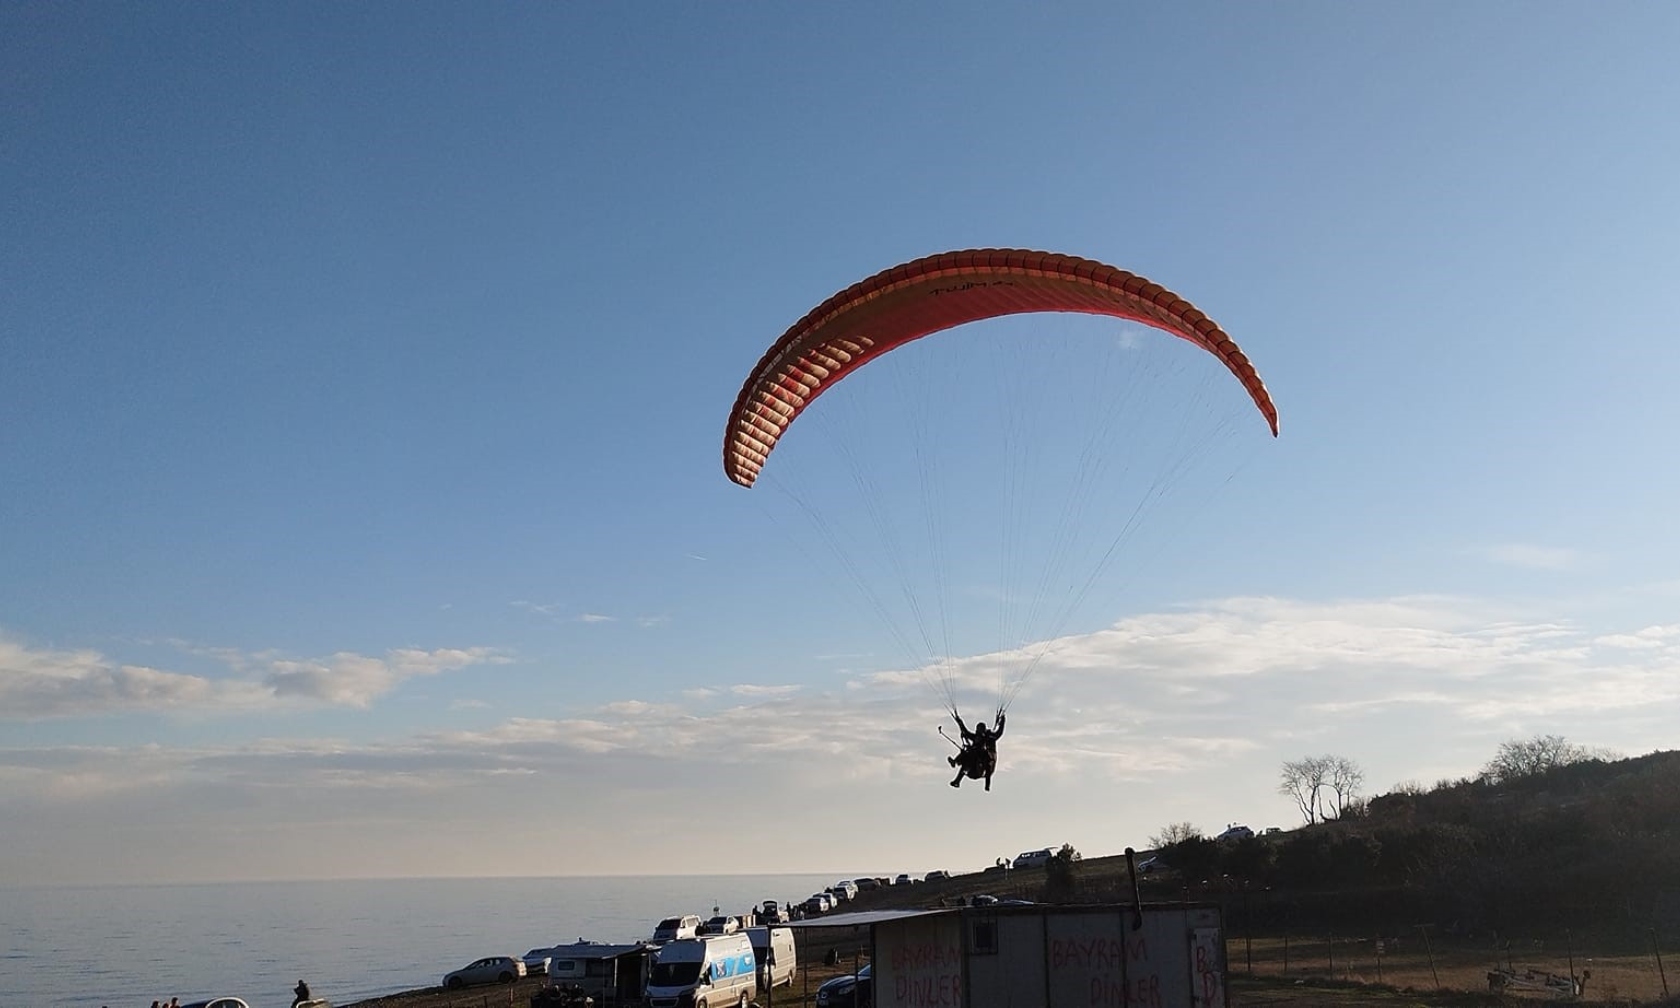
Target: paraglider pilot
pixel 978 757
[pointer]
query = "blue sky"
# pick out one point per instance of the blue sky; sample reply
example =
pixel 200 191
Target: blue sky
pixel 363 373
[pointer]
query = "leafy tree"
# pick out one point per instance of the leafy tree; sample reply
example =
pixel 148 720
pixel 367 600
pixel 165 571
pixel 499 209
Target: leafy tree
pixel 1249 858
pixel 1174 833
pixel 1519 758
pixel 1061 881
pixel 1195 858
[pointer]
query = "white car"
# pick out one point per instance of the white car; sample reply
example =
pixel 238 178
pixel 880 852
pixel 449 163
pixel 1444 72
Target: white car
pixel 673 928
pixel 720 925
pixel 1235 831
pixel 222 1002
pixel 1034 859
pixel 490 969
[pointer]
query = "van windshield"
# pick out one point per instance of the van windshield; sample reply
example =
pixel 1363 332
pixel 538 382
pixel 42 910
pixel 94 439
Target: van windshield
pixel 670 924
pixel 674 974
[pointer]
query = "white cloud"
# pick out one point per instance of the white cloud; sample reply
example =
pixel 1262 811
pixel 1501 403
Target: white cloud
pixel 1183 714
pixel 594 618
pixel 39 683
pixel 540 608
pixel 1650 638
pixel 749 690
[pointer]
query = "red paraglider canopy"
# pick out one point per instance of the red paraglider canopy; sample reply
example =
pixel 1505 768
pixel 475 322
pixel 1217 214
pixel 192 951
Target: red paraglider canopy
pixel 937 292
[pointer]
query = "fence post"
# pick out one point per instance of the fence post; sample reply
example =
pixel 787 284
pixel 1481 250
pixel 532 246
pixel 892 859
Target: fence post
pixel 1656 948
pixel 1431 953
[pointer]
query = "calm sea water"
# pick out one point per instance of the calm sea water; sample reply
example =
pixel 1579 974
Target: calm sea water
pixel 127 945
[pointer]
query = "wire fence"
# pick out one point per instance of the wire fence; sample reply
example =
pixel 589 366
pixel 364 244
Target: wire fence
pixel 1549 956
pixel 1425 959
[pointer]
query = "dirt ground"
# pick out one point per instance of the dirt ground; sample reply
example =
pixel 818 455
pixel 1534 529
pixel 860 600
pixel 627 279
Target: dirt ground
pixel 1408 982
pixel 1246 992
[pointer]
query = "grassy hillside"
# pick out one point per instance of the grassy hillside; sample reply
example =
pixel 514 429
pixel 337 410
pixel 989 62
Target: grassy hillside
pixel 1574 871
pixel 1592 846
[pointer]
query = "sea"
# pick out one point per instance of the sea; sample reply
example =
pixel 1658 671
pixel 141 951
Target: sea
pixel 125 946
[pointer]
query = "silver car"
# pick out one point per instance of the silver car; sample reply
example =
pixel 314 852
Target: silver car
pixel 491 969
pixel 536 961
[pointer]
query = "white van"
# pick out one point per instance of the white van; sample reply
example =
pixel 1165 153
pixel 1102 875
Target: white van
pixel 773 948
pixel 714 971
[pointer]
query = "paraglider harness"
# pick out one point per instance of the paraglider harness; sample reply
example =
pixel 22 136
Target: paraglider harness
pixel 976 756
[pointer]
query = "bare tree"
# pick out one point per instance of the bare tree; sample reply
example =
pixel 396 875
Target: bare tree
pixel 1345 779
pixel 1302 780
pixel 1172 833
pixel 1527 757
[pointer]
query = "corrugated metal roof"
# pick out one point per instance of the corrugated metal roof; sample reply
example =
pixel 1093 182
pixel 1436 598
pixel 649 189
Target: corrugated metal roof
pixel 593 950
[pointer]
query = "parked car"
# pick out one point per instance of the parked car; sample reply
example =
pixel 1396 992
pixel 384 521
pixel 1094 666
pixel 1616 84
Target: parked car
pixel 536 961
pixel 1149 865
pixel 490 969
pixel 819 903
pixel 1034 859
pixel 846 889
pixel 222 1002
pixel 1235 831
pixel 854 990
pixel 903 880
pixel 867 884
pixel 672 928
pixel 937 876
pixel 772 913
pixel 720 925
